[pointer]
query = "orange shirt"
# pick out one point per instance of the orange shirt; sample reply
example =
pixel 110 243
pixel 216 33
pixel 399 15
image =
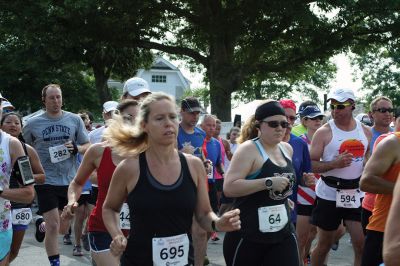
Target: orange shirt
pixel 377 221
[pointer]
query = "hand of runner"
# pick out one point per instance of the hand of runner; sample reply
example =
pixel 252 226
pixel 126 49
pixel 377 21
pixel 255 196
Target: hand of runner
pixel 118 245
pixel 343 160
pixel 309 179
pixel 71 146
pixel 279 183
pixel 229 221
pixel 291 204
pixel 68 211
pixel 189 149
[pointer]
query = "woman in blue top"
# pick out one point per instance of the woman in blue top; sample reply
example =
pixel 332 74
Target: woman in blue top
pixel 261 178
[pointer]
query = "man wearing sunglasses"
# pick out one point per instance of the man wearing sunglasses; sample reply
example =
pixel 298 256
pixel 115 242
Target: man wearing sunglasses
pixel 381 111
pixel 338 151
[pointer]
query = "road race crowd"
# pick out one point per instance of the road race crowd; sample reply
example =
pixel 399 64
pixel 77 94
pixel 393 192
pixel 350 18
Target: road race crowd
pixel 154 184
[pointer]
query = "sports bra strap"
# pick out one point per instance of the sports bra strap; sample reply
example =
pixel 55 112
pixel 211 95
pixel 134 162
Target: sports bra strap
pixel 260 148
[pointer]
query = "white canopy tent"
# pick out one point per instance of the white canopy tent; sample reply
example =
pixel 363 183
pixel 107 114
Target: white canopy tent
pixel 246 110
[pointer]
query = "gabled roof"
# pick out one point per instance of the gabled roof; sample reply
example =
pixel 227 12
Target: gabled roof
pixel 160 64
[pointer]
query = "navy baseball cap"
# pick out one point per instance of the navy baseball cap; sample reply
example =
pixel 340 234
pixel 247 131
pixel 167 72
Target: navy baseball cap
pixel 311 111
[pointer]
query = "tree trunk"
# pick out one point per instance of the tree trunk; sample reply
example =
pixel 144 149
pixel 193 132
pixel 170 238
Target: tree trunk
pixel 223 81
pixel 101 76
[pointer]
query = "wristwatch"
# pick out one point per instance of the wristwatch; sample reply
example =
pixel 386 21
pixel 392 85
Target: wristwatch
pixel 268 183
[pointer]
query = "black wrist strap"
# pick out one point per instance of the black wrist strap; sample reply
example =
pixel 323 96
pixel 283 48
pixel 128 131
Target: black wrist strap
pixel 214 228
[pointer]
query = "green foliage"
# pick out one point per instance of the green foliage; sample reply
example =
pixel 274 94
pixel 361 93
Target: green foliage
pixel 92 35
pixel 202 94
pixel 379 68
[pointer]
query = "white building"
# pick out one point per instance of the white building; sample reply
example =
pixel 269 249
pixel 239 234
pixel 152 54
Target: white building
pixel 162 76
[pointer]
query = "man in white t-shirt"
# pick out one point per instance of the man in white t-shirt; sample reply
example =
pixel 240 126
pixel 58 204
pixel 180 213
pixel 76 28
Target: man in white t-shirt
pixel 96 136
pixel 338 153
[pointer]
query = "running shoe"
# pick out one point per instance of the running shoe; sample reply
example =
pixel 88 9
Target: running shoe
pixel 85 242
pixel 214 236
pixel 67 239
pixel 77 251
pixel 40 230
pixel 206 261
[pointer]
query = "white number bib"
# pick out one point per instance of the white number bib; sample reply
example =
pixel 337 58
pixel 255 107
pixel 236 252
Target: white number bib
pixel 348 198
pixel 272 218
pixel 211 174
pixel 22 216
pixel 124 217
pixel 59 153
pixel 173 250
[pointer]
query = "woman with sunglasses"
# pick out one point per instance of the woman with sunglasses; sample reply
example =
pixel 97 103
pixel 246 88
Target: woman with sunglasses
pixel 261 178
pixel 312 119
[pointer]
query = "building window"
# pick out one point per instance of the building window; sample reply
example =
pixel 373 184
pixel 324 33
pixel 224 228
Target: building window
pixel 159 78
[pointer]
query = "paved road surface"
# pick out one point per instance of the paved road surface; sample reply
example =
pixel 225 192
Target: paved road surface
pixel 33 253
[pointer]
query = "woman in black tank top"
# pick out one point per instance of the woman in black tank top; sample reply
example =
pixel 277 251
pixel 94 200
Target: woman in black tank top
pixel 261 178
pixel 163 188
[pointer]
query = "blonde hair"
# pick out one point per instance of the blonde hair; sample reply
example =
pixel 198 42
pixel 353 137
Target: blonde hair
pixel 127 139
pixel 249 130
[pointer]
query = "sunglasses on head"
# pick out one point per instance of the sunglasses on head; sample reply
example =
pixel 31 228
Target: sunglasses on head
pixel 340 106
pixel 275 124
pixel 384 110
pixel 320 117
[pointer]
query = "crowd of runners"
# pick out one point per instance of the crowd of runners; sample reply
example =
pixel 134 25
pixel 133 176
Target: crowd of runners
pixel 157 182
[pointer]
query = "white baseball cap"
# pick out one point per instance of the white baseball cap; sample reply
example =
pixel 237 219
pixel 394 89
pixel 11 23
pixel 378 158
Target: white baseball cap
pixel 341 95
pixel 110 106
pixel 7 104
pixel 136 86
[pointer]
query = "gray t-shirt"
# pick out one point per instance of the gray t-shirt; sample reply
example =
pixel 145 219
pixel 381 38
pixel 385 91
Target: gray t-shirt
pixel 44 132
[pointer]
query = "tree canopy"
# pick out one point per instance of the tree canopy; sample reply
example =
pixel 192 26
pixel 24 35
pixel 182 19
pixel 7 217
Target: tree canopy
pixel 267 47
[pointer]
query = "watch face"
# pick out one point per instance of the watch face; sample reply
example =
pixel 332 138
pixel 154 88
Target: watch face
pixel 268 183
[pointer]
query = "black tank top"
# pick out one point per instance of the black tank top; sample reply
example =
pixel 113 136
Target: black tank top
pixel 158 210
pixel 250 204
pixel 14 184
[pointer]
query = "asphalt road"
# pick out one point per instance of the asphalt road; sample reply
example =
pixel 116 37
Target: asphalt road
pixel 33 253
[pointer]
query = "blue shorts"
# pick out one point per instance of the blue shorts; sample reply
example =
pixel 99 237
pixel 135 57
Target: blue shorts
pixel 19 227
pixel 99 241
pixel 5 240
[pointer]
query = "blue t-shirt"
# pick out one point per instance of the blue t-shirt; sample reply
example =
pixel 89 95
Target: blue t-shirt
pixel 195 139
pixel 301 162
pixel 214 155
pixel 375 135
pixel 88 185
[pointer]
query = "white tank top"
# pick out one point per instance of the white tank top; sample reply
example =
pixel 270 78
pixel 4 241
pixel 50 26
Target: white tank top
pixel 227 161
pixel 354 142
pixel 5 172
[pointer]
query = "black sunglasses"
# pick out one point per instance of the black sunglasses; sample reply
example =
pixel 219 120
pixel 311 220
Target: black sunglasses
pixel 320 117
pixel 384 110
pixel 275 124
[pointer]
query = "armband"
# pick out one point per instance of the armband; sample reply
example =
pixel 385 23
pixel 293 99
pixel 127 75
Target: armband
pixel 22 170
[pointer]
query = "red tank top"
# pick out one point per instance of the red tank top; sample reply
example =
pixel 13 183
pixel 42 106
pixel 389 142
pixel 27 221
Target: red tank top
pixel 104 174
